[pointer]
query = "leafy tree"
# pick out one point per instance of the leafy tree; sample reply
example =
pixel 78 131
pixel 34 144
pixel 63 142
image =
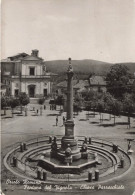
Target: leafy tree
pixel 117 79
pixel 5 101
pixel 24 99
pixel 128 105
pixel 88 95
pixel 108 98
pixel 115 107
pixel 100 107
pixel 41 101
pixel 59 100
pixel 3 104
pixel 94 105
pixel 13 103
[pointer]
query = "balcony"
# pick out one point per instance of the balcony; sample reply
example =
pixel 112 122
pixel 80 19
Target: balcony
pixel 31 76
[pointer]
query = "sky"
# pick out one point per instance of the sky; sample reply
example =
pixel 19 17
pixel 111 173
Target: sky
pixel 102 30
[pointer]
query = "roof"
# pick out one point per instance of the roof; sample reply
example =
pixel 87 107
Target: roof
pixel 21 56
pixel 81 84
pixel 15 58
pixel 18 56
pixel 6 60
pixel 97 80
pixel 31 57
pixel 64 83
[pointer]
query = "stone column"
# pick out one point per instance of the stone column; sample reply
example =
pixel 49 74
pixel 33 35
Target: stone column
pixel 69 125
pixel 70 92
pixel 68 140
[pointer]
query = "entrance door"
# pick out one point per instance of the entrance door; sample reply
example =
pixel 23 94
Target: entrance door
pixel 31 91
pixel 45 92
pixel 16 92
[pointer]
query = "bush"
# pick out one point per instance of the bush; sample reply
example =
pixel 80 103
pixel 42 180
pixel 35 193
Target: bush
pixel 14 102
pixel 24 99
pixel 41 101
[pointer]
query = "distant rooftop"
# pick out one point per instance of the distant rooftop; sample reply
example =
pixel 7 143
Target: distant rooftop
pixel 97 80
pixel 64 83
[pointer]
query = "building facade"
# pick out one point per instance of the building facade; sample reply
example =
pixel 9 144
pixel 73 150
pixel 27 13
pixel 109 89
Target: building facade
pixel 26 73
pixel 97 83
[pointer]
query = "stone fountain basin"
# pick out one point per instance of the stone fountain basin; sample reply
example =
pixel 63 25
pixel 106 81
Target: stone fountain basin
pixel 62 169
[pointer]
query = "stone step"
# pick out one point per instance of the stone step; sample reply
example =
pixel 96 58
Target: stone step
pixel 34 100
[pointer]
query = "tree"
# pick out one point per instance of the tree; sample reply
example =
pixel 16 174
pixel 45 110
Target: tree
pixel 13 103
pixel 41 101
pixel 88 95
pixel 115 107
pixel 108 98
pixel 117 79
pixel 5 101
pixel 59 100
pixel 100 107
pixel 94 105
pixel 24 99
pixel 128 105
pixel 3 104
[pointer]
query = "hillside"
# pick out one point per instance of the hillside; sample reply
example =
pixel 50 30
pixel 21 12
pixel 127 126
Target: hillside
pixel 84 66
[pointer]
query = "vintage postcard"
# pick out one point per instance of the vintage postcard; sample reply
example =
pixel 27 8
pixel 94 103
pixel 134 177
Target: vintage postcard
pixel 67 97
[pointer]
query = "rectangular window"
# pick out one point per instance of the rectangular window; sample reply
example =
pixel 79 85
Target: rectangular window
pixel 16 92
pixel 32 71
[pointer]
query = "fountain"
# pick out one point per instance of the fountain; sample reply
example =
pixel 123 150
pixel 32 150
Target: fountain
pixel 55 156
pixel 69 150
pixel 68 140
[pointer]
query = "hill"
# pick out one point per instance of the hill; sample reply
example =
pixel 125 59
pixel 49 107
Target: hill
pixel 82 66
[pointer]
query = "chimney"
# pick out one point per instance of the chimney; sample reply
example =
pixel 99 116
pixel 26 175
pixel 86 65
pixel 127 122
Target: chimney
pixel 35 53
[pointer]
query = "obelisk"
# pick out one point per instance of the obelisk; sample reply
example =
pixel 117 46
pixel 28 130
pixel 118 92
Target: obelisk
pixel 68 139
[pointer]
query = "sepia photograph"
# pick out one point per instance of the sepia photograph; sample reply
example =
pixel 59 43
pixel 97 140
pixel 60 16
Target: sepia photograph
pixel 67 97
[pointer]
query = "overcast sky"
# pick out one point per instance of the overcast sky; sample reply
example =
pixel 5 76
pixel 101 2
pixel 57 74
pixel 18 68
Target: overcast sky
pixel 81 29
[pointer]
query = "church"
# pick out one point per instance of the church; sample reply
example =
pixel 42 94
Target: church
pixel 26 73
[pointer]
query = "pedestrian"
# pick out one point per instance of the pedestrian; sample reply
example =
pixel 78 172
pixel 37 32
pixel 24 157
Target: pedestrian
pixel 44 107
pixel 37 111
pixel 129 146
pixel 63 120
pixel 56 120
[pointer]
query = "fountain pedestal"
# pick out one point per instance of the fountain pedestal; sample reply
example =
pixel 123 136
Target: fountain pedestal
pixel 69 139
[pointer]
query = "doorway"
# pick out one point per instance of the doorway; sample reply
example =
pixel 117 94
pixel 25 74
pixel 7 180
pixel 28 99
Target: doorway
pixel 31 90
pixel 45 92
pixel 16 92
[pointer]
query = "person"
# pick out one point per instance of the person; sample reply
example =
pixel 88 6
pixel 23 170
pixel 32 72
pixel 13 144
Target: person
pixel 56 120
pixel 129 146
pixel 63 120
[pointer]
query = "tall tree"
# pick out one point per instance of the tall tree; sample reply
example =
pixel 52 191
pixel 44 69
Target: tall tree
pixel 5 101
pixel 24 99
pixel 13 103
pixel 117 79
pixel 115 107
pixel 100 107
pixel 128 105
pixel 3 104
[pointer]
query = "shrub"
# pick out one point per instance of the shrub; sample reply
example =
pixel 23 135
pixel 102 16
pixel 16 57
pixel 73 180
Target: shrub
pixel 41 101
